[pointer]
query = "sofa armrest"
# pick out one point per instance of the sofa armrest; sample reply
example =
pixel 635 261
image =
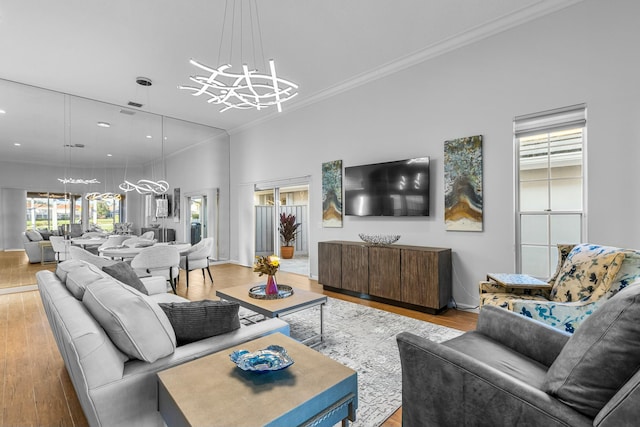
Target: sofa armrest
pixel 491 287
pixel 565 316
pixel 522 334
pixel 441 386
pixel 622 409
pixel 154 284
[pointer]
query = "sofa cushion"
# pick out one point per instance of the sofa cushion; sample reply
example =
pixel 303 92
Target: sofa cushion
pixel 124 273
pixel 63 268
pixel 600 357
pixel 79 278
pixel 195 320
pixel 33 235
pixel 135 324
pixel 587 268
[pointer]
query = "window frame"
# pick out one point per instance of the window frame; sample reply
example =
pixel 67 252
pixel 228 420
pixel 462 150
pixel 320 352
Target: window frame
pixel 548 122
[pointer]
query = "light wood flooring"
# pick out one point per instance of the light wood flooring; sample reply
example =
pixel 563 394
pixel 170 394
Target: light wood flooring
pixel 36 389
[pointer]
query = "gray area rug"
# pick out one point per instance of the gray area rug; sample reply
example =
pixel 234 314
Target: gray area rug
pixel 364 339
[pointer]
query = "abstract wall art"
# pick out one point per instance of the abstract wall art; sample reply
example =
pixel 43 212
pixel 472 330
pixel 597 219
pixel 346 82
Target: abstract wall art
pixel 332 194
pixel 463 202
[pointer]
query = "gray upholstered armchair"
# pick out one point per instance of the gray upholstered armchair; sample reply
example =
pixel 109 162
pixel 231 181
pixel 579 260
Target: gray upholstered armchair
pixel 515 371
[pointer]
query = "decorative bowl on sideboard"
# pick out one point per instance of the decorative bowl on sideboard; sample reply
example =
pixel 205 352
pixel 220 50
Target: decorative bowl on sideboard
pixel 379 239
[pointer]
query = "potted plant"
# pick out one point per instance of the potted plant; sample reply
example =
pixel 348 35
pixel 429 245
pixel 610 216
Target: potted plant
pixel 288 232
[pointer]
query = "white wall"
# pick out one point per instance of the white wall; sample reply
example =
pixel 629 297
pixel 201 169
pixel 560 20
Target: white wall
pixel 585 53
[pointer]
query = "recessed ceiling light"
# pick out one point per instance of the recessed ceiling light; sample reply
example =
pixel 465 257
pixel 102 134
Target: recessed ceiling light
pixel 144 81
pixel 104 124
pixel 149 137
pixel 17 144
pixel 3 112
pixel 109 155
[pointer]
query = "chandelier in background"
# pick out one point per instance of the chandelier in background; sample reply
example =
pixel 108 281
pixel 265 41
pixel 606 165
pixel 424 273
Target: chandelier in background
pixel 145 186
pixel 247 89
pixel 70 180
pixel 149 186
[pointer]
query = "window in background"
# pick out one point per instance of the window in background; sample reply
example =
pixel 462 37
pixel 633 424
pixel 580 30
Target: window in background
pixel 106 213
pixel 550 180
pixel 52 210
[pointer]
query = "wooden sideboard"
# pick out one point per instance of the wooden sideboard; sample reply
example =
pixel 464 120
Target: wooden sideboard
pixel 416 277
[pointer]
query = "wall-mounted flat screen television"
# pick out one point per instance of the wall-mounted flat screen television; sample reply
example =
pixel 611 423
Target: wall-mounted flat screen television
pixel 399 188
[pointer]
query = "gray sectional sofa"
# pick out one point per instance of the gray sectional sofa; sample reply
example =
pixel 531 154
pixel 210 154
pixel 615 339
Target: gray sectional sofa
pixel 98 333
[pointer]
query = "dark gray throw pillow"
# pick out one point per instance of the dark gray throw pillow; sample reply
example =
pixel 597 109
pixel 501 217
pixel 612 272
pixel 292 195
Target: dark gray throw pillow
pixel 123 272
pixel 600 357
pixel 195 320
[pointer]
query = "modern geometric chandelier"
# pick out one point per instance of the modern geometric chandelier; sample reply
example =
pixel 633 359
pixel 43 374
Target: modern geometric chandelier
pixel 249 88
pixel 149 186
pixel 245 90
pixel 103 196
pixel 145 186
pixel 78 181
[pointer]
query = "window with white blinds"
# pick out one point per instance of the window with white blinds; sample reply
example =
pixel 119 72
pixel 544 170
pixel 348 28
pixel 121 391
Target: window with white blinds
pixel 550 173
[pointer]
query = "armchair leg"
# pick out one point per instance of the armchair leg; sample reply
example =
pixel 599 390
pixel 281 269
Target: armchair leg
pixel 208 271
pixel 187 273
pixel 172 281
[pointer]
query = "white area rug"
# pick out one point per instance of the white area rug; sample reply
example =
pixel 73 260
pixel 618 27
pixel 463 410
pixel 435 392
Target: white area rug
pixel 364 339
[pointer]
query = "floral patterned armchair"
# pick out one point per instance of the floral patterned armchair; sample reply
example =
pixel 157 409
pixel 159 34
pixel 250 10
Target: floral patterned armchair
pixel 586 276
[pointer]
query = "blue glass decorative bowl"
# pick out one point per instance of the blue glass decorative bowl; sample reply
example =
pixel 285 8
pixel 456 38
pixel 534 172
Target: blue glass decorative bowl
pixel 272 358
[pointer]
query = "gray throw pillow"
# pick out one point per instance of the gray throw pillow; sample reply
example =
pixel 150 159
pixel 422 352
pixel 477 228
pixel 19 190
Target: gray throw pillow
pixel 196 320
pixel 45 233
pixel 33 235
pixel 123 272
pixel 600 357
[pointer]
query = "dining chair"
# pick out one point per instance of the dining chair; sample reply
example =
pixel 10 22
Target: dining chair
pixel 159 260
pixel 149 235
pixel 60 248
pixel 198 258
pixel 113 240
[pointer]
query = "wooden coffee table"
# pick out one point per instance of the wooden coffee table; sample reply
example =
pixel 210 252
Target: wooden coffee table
pixel 300 300
pixel 213 391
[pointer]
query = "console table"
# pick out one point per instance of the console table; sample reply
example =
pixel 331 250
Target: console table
pixel 416 277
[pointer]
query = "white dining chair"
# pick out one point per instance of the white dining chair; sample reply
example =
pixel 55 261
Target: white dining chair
pixel 198 258
pixel 159 260
pixel 149 235
pixel 60 248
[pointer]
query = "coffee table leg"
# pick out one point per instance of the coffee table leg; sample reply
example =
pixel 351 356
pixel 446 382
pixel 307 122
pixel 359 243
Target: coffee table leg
pixel 321 322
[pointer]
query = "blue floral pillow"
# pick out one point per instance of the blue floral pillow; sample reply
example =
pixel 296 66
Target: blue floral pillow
pixel 587 268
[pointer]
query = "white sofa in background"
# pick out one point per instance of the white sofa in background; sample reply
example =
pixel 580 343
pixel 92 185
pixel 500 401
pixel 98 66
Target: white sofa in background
pixel 34 250
pixel 115 389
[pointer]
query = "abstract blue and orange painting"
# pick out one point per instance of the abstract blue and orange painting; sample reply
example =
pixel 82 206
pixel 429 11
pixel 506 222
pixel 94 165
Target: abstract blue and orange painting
pixel 463 201
pixel 332 194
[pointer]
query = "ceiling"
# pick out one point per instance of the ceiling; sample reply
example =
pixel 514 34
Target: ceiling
pixel 95 50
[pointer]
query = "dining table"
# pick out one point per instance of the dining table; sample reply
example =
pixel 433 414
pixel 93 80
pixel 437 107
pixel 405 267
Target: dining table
pixel 83 242
pixel 123 252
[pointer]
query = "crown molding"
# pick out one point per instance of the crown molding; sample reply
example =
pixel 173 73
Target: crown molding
pixel 457 41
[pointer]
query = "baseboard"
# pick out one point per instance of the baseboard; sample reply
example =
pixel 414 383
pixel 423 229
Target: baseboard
pixel 16 289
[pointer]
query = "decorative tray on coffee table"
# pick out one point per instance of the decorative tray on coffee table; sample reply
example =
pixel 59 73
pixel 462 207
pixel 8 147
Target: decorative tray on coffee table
pixel 259 292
